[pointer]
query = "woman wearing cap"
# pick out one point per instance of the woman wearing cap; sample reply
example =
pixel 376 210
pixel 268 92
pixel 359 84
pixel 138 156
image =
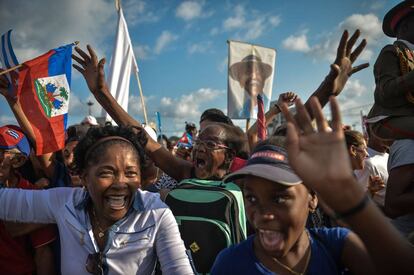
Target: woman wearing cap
pixel 277 206
pixel 279 195
pixel 393 111
pixel 110 226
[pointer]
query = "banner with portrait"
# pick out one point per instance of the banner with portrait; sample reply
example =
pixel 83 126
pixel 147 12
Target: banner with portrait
pixel 250 72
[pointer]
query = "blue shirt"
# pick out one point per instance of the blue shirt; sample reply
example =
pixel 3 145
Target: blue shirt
pixel 326 246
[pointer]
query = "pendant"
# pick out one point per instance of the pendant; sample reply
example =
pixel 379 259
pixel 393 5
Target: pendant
pixel 101 234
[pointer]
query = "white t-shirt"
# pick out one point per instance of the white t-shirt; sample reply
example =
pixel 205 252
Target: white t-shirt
pixel 402 153
pixel 375 165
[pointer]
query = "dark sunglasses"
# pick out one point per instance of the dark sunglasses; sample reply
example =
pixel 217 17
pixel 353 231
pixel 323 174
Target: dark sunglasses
pixel 94 264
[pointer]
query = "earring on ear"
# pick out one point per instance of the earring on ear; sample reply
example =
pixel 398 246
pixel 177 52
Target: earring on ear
pixel 312 210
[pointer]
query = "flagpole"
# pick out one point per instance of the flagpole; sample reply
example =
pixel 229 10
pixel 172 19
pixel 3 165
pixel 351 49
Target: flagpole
pixel 247 124
pixel 20 65
pixel 142 96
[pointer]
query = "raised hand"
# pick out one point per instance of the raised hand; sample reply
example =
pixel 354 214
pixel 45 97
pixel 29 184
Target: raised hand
pixel 375 185
pixel 91 69
pixel 287 98
pixel 4 87
pixel 319 156
pixel 342 68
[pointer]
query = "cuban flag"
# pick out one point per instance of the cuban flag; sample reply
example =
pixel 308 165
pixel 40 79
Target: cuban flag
pixel 43 92
pixel 8 59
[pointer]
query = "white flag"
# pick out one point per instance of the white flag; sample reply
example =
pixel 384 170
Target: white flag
pixel 122 62
pixel 251 70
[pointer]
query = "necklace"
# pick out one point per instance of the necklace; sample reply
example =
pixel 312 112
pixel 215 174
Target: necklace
pixel 101 232
pixel 306 264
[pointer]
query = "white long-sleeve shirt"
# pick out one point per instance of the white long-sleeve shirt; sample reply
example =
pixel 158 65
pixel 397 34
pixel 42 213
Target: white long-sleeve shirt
pixel 148 231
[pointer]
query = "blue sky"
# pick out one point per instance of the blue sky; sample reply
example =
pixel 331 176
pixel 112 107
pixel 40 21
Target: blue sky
pixel 181 47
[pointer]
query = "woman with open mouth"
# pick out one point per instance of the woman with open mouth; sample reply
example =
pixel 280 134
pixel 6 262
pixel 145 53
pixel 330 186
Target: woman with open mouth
pixel 110 226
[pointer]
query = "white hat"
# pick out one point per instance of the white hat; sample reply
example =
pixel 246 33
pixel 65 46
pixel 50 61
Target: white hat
pixel 91 120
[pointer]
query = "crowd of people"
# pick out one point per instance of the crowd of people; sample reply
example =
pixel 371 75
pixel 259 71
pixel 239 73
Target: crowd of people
pixel 318 197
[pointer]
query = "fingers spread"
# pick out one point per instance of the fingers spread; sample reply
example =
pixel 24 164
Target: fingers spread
pixel 79 60
pixel 354 55
pixel 321 122
pixel 79 69
pixel 336 115
pixel 94 59
pixel 351 42
pixel 292 142
pixel 83 54
pixel 342 46
pixel 302 118
pixel 358 68
pixel 287 114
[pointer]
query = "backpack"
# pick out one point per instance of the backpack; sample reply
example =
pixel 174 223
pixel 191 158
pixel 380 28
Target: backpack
pixel 210 217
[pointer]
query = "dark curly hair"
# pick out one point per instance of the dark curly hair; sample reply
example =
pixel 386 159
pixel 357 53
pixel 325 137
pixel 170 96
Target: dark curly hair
pixel 94 134
pixel 215 115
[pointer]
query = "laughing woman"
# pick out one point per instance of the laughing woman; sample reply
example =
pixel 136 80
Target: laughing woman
pixel 111 226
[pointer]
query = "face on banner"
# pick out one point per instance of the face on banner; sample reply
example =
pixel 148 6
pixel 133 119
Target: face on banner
pixel 250 74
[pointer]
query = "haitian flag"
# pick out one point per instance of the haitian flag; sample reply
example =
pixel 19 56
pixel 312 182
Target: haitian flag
pixel 43 92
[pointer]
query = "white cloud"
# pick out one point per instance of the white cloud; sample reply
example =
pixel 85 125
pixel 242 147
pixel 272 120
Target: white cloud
pixel 247 25
pixel 137 12
pixel 351 96
pixel 164 40
pixel 189 10
pixel 369 25
pixel 188 105
pixel 377 5
pixel 142 52
pixel 326 48
pixel 297 43
pixel 274 20
pixel 236 21
pixel 45 26
pixel 201 47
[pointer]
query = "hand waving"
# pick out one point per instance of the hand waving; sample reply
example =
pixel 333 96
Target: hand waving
pixel 342 68
pixel 319 156
pixel 91 69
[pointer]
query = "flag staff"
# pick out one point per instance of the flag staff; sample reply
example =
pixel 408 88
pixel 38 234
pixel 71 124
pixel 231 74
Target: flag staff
pixel 20 65
pixel 142 96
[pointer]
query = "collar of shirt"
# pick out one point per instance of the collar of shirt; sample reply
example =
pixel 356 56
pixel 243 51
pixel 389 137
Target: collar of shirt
pixel 408 44
pixel 137 204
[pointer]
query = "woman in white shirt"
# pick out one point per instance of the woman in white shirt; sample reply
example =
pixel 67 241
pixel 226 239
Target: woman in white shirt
pixel 110 226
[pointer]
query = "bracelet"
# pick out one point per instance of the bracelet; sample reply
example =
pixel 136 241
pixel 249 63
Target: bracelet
pixel 359 207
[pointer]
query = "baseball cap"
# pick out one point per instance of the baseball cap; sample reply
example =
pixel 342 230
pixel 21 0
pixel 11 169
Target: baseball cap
pixel 268 162
pixel 11 136
pixel 91 120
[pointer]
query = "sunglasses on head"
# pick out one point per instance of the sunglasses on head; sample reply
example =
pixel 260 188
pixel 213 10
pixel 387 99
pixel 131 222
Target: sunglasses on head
pixel 94 264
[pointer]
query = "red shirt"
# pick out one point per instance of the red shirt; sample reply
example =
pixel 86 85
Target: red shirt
pixel 16 254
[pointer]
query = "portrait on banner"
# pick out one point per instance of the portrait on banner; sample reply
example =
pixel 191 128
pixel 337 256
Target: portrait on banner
pixel 250 73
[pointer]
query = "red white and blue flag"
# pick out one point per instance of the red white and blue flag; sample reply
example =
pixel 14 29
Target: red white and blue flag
pixel 8 59
pixel 43 92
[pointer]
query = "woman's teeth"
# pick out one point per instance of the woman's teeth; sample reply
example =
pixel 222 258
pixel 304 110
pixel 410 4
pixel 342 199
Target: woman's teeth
pixel 116 202
pixel 271 240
